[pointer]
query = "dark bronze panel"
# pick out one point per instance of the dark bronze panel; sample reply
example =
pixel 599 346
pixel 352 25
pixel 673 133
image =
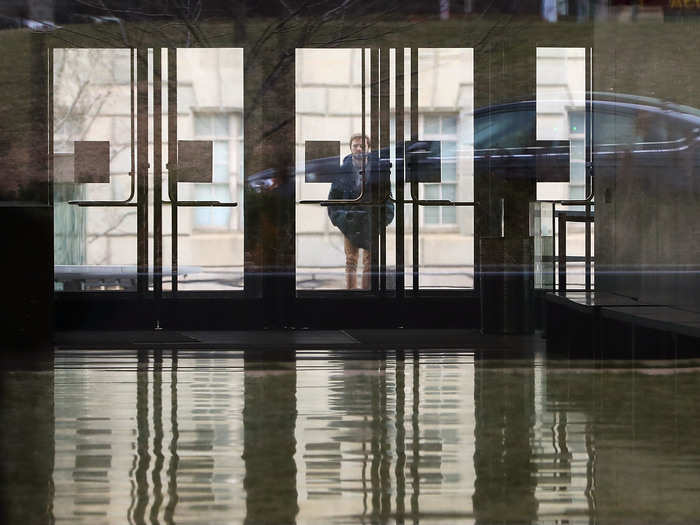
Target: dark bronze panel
pixel 91 161
pixel 423 161
pixel 322 160
pixel 194 160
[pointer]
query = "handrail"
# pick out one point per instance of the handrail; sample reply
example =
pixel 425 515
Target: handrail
pixel 437 202
pixel 174 201
pixel 127 201
pixel 357 200
pixel 203 203
pixel 420 202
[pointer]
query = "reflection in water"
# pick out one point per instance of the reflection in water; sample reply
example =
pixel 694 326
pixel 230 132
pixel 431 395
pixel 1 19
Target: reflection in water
pixel 269 417
pixel 504 488
pixel 378 438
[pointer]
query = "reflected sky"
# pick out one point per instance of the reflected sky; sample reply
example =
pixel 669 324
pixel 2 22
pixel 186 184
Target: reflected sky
pixel 397 437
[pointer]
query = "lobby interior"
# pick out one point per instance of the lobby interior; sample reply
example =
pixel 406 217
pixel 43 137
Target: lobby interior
pixel 524 346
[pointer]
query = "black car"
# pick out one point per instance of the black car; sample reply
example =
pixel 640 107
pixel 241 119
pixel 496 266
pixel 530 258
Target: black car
pixel 644 129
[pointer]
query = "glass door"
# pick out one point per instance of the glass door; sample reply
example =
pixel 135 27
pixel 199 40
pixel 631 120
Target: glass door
pixel 147 151
pixel 384 175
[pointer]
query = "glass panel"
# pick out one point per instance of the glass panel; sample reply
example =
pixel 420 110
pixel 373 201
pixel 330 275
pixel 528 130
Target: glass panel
pixel 449 215
pixel 221 125
pixel 95 247
pixel 449 192
pixel 220 215
pixel 449 125
pixel 449 150
pixel 561 113
pixel 221 173
pixel 431 215
pixel 449 161
pixel 221 152
pixel 446 234
pixel 446 270
pixel 202 215
pixel 210 239
pixel 212 217
pixel 431 125
pixel 561 116
pixel 449 172
pixel 329 108
pixel 432 191
pixel 203 126
pixel 542 233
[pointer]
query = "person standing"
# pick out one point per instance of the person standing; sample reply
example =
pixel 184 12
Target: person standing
pixel 354 220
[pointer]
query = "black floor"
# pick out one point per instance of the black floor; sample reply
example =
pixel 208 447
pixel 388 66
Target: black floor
pixel 301 339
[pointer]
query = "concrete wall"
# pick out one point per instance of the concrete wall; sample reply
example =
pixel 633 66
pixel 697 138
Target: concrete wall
pixel 647 244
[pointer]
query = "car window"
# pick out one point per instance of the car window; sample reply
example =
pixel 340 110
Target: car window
pixel 504 129
pixel 613 127
pixel 677 128
pixel 629 127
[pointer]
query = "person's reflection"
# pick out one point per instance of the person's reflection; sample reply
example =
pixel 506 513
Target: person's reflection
pixel 504 488
pixel 359 424
pixel 269 418
pixel 362 393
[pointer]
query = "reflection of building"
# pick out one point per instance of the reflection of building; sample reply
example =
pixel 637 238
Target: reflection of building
pixel 268 425
pixel 392 437
pixel 503 412
pixel 562 451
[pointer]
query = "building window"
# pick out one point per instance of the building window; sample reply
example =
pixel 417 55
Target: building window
pixel 215 127
pixel 444 129
pixel 577 153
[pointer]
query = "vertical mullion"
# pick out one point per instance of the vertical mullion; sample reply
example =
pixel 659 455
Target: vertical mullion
pixel 364 113
pixel 588 179
pixel 399 119
pixel 142 169
pixel 157 180
pixel 384 115
pixel 51 126
pixel 414 185
pixel 172 158
pixel 373 166
pixel 562 252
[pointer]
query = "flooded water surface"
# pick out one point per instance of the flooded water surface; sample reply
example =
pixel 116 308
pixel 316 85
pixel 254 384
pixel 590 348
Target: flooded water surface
pixel 321 438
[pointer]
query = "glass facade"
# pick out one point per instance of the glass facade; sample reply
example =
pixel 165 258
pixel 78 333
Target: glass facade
pixel 476 116
pixel 436 246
